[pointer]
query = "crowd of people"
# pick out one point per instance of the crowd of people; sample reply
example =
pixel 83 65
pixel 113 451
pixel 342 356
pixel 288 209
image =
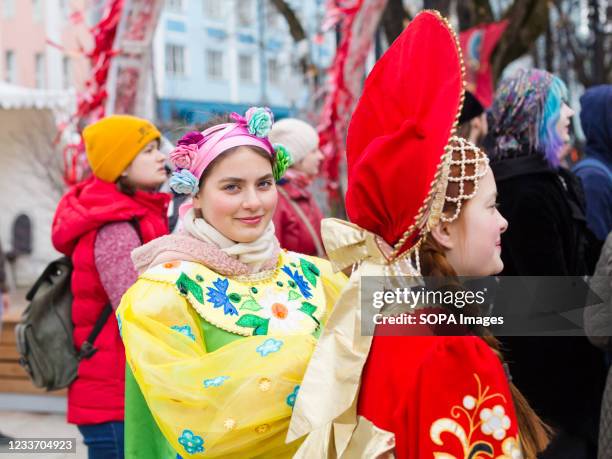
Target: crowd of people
pixel 239 333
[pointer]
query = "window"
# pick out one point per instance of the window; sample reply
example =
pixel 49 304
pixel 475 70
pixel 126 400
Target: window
pixel 39 70
pixel 66 72
pixel 213 9
pixel 175 60
pixel 175 5
pixel 214 64
pixel 273 70
pixel 37 10
pixel 10 67
pixel 245 68
pixel 8 8
pixel 244 10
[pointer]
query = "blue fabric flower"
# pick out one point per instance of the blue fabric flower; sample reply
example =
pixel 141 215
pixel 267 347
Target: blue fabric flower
pixel 191 442
pixel 215 382
pixel 269 346
pixel 292 396
pixel 184 182
pixel 184 330
pixel 299 280
pixel 218 297
pixel 259 121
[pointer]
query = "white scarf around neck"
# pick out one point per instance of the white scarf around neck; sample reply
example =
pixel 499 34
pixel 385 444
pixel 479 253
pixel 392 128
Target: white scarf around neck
pixel 253 254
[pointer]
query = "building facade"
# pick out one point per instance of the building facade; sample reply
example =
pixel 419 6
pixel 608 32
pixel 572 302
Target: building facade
pixel 216 56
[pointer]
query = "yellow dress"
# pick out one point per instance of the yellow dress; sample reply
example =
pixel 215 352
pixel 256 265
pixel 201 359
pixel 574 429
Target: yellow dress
pixel 219 360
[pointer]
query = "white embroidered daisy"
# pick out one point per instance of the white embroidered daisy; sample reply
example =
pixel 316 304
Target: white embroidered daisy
pixel 284 314
pixel 495 422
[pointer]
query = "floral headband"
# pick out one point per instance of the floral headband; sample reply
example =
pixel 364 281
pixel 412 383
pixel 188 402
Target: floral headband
pixel 196 150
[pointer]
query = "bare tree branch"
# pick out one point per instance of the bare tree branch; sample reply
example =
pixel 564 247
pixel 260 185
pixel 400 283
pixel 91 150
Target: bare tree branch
pixel 295 26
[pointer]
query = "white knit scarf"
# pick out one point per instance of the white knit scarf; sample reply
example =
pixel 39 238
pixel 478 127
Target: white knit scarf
pixel 253 254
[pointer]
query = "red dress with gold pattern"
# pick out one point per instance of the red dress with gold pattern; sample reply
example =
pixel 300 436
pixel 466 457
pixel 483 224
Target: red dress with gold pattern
pixel 442 397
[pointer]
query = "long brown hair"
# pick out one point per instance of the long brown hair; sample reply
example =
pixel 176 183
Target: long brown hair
pixel 534 433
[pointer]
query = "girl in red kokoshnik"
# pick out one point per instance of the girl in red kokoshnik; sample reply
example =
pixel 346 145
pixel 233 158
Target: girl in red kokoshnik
pixel 421 202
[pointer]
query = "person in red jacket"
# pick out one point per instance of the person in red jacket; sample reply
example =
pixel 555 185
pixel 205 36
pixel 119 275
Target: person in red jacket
pixel 422 202
pixel 297 220
pixel 97 224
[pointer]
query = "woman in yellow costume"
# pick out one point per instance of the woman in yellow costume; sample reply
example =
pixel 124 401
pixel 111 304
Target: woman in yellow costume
pixel 221 323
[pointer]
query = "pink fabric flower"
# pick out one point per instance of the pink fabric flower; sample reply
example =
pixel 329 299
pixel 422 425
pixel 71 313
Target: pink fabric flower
pixel 183 155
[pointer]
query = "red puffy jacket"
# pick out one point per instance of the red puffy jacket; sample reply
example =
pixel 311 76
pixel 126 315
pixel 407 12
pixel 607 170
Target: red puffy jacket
pixel 96 396
pixel 290 229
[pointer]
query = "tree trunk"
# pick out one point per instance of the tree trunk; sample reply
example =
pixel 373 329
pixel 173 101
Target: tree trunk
pixel 394 19
pixel 473 13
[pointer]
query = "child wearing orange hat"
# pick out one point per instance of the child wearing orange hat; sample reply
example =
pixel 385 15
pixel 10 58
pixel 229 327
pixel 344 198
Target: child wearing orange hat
pixel 97 224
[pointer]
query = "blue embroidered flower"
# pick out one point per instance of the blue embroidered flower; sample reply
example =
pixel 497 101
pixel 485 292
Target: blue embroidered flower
pixel 269 346
pixel 292 396
pixel 218 297
pixel 215 382
pixel 191 442
pixel 184 182
pixel 299 280
pixel 259 121
pixel 184 330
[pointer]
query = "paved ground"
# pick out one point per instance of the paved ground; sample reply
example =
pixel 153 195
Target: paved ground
pixel 19 424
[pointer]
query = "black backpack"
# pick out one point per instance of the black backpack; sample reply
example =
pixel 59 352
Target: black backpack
pixel 44 333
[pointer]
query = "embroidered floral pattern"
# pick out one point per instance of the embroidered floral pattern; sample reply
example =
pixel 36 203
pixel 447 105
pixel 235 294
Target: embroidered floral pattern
pixel 284 316
pixel 186 284
pixel 218 297
pixel 269 346
pixel 184 330
pixel 191 442
pixel 472 415
pixel 301 283
pixel 292 396
pixel 215 382
pixel 249 308
pixel 495 422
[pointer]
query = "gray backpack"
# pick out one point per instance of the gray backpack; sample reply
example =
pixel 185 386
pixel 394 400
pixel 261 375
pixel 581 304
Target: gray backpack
pixel 44 333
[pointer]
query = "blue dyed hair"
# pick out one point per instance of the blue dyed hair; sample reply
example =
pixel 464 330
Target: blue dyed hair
pixel 550 142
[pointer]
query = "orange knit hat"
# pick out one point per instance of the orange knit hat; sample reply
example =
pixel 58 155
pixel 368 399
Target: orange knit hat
pixel 113 142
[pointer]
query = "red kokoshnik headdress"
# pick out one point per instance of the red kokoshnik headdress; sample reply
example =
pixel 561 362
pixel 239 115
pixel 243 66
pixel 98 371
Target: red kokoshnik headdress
pixel 401 144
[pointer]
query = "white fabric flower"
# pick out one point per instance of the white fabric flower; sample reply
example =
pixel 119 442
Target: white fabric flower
pixel 495 422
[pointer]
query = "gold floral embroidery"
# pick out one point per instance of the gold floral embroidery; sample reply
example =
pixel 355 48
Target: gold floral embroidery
pixel 471 416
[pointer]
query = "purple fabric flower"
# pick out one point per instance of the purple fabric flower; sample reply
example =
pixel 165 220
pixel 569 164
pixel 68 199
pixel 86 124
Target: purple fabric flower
pixel 183 155
pixel 191 138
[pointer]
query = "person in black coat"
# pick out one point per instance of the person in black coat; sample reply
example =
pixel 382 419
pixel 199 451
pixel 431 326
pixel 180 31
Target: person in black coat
pixel 562 377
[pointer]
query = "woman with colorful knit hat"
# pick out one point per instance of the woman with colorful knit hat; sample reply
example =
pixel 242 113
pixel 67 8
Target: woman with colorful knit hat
pixel 422 202
pixel 298 218
pixel 221 323
pixel 548 236
pixel 97 224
